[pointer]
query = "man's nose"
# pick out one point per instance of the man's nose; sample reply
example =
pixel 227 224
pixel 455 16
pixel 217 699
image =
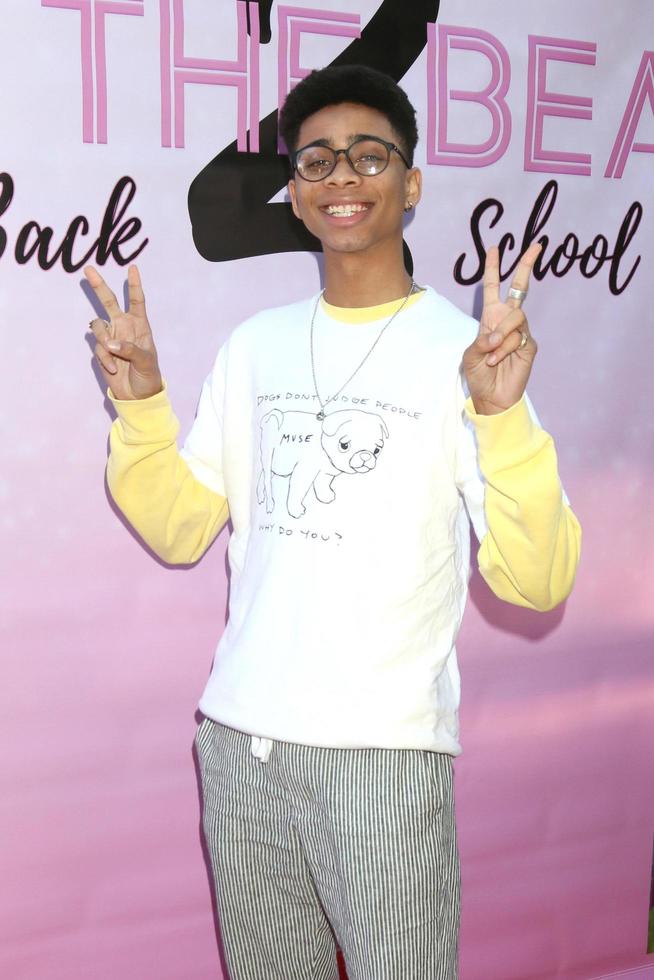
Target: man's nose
pixel 343 172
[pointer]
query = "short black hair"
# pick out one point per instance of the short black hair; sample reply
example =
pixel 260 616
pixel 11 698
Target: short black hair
pixel 349 83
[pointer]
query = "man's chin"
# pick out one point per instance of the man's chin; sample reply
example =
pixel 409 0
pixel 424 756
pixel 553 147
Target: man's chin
pixel 345 243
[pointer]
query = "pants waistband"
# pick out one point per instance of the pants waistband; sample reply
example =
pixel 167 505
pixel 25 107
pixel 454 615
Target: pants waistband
pixel 261 748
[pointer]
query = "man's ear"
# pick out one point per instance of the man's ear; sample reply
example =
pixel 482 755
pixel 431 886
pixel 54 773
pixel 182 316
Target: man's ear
pixel 413 185
pixel 292 192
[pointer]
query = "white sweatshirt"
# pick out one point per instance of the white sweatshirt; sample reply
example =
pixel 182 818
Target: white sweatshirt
pixel 350 548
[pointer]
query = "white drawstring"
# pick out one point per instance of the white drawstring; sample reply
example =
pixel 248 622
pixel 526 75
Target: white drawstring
pixel 261 748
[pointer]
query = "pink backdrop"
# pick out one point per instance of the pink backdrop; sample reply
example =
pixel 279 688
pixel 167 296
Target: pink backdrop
pixel 105 651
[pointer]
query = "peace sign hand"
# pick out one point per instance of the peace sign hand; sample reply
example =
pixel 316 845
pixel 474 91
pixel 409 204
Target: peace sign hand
pixel 124 346
pixel 498 363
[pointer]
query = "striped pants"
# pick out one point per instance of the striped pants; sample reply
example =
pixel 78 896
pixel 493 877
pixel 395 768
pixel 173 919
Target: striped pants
pixel 313 848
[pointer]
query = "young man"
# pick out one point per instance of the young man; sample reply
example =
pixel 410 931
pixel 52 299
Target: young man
pixel 337 435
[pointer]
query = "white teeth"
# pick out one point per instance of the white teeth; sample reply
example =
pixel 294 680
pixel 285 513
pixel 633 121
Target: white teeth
pixel 345 210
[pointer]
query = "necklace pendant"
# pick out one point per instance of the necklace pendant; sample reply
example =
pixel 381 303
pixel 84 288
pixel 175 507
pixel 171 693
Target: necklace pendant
pixel 320 416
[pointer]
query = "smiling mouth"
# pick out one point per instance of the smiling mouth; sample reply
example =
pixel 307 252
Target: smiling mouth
pixel 344 210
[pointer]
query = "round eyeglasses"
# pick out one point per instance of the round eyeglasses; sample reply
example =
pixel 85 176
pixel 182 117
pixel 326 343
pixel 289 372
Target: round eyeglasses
pixel 366 155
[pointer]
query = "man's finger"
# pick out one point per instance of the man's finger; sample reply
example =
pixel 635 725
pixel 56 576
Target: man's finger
pixel 105 359
pixel 101 329
pixel 103 336
pixel 135 290
pixel 523 272
pixel 102 291
pixel 517 341
pixel 126 351
pixel 515 320
pixel 492 276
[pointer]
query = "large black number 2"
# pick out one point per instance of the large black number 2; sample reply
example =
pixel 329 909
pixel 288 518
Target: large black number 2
pixel 228 200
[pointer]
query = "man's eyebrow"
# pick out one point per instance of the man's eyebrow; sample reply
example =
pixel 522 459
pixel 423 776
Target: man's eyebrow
pixel 328 141
pixel 357 136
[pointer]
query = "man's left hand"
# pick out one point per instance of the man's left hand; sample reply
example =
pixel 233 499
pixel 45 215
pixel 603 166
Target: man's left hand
pixel 497 365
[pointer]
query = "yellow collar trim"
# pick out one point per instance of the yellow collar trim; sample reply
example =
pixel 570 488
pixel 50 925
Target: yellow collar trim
pixel 364 314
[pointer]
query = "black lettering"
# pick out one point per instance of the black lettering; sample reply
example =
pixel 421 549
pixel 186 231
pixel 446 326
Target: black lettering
pixel 475 219
pixel 628 229
pixel 113 234
pixel 65 250
pixel 42 241
pixel 540 215
pixel 35 239
pixel 6 197
pixel 558 267
pixel 591 253
pixel 564 256
pixel 24 252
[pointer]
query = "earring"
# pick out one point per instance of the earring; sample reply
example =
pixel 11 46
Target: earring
pixel 408 206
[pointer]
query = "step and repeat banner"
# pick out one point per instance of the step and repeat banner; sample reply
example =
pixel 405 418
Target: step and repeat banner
pixel 146 130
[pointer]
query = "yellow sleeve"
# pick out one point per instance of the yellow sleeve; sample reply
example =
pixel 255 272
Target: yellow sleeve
pixel 175 514
pixel 530 553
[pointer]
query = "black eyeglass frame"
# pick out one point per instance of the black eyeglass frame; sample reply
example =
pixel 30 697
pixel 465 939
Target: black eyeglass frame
pixel 346 153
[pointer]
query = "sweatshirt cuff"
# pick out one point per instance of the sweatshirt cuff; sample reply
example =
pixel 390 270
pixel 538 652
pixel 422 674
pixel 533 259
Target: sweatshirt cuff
pixel 145 419
pixel 506 439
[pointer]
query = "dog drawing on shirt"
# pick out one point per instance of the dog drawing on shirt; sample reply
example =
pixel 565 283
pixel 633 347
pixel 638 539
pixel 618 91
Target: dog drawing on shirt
pixel 312 453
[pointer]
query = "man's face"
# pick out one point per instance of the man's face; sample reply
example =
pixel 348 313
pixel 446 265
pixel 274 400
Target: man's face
pixel 378 200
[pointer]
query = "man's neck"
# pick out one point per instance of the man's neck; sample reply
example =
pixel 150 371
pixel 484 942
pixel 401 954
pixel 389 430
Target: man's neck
pixel 353 280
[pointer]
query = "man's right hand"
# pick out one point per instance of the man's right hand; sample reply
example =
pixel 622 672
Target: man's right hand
pixel 124 346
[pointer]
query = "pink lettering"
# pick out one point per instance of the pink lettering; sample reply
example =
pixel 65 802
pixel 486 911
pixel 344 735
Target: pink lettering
pixel 643 88
pixel 439 148
pixel 178 70
pixel 94 96
pixel 541 103
pixel 295 21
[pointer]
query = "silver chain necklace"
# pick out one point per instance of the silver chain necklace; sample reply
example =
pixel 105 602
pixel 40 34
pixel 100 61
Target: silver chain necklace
pixel 321 414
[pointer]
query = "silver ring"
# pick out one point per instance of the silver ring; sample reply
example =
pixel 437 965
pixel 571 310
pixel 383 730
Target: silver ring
pixel 525 338
pixel 517 294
